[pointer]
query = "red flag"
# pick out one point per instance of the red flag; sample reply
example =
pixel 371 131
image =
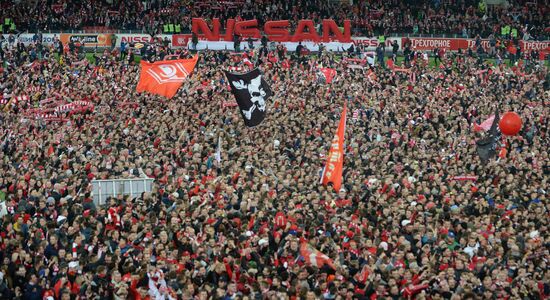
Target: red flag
pixel 50 150
pixel 363 275
pixel 165 77
pixel 335 159
pixel 502 153
pixel 314 257
pixel 329 74
pixel 371 76
pixel 389 62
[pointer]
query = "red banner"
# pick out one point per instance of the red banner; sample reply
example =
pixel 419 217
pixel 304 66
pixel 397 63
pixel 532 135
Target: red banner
pixel 455 44
pixel 180 40
pixel 532 45
pixel 441 43
pixel 335 159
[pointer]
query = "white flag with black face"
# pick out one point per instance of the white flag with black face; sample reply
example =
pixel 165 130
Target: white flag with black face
pixel 251 92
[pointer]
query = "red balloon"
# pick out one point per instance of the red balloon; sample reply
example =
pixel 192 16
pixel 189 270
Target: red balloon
pixel 510 123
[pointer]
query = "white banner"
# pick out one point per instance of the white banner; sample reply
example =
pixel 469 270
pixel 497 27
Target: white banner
pixel 370 44
pixel 140 38
pixel 28 38
pixel 290 46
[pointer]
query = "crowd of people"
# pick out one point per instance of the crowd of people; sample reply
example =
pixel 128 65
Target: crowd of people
pixel 418 216
pixel 369 18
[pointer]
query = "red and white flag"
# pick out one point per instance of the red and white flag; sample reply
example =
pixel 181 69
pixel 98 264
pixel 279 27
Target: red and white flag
pixel 314 257
pixel 355 116
pixel 485 125
pixel 363 275
pixel 165 77
pixel 328 73
pixel 247 62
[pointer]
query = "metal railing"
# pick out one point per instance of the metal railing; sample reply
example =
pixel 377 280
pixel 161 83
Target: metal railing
pixel 103 189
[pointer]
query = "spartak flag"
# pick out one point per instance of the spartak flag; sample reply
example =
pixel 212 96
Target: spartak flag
pixel 315 257
pixel 485 125
pixel 328 73
pixel 251 92
pixel 165 77
pixel 335 159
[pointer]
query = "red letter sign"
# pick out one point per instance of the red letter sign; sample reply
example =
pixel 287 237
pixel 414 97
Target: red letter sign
pixel 199 25
pixel 330 26
pixel 302 35
pixel 277 31
pixel 229 24
pixel 248 29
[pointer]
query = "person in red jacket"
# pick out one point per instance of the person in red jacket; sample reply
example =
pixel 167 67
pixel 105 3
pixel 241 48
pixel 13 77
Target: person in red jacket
pixel 138 289
pixel 342 200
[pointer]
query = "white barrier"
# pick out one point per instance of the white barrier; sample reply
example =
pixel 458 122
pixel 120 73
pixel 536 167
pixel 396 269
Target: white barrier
pixel 102 189
pixel 369 43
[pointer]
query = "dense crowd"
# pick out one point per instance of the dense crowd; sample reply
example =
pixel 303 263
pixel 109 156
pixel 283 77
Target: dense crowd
pixel 419 216
pixel 371 18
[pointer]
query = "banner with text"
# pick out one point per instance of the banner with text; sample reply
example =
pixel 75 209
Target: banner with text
pixel 88 40
pixel 130 38
pixel 29 38
pixel 184 41
pixel 422 44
